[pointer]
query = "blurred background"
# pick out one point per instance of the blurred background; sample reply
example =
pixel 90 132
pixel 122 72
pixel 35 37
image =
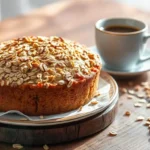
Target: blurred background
pixel 72 19
pixel 13 8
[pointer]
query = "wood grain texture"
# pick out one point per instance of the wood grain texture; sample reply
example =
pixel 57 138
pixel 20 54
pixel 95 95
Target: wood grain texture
pixel 75 20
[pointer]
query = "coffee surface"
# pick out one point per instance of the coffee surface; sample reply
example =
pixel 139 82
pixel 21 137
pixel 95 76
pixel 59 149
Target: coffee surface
pixel 121 29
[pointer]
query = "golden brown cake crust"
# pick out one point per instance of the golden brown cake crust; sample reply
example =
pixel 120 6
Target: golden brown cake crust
pixel 46 75
pixel 42 101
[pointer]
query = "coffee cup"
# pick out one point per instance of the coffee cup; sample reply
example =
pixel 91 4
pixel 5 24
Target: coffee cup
pixel 121 42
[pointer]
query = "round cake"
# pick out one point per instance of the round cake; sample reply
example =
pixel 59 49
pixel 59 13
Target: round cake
pixel 46 75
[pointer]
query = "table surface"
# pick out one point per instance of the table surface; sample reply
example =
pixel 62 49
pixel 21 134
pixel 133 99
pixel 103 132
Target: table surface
pixel 75 20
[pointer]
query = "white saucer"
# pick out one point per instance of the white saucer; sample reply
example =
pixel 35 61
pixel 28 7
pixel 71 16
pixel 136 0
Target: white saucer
pixel 139 69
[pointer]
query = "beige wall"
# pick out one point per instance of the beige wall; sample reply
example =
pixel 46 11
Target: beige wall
pixel 12 8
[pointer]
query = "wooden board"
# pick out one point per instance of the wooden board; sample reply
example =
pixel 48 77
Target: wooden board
pixel 58 133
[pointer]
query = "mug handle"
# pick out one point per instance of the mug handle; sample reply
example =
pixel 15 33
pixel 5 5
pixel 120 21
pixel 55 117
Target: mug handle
pixel 144 58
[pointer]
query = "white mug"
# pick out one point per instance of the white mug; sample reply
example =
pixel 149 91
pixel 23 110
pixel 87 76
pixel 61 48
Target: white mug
pixel 121 50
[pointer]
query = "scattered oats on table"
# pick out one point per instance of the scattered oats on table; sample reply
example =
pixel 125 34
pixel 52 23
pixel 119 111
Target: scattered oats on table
pixel 140 95
pixel 147 88
pixel 137 87
pixel 144 83
pixel 45 147
pixel 142 101
pixel 123 90
pixel 148 119
pixel 131 92
pixel 147 123
pixel 148 105
pixel 140 118
pixel 17 146
pixel 137 105
pixel 130 97
pixel 112 133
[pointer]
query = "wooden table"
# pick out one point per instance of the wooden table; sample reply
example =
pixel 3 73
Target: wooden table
pixel 75 19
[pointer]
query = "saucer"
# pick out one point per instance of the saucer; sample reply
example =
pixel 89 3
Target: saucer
pixel 139 69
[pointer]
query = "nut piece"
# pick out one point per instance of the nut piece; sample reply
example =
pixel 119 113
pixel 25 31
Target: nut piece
pixel 45 147
pixel 17 146
pixel 140 118
pixel 112 133
pixel 127 113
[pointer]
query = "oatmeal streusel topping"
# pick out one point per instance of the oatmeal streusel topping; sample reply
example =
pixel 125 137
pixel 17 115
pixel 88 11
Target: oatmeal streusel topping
pixel 45 61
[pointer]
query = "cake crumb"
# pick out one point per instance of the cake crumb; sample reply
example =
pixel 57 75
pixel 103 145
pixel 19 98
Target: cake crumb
pixel 127 113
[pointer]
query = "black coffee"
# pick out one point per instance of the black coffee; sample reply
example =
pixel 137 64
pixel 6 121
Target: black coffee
pixel 121 29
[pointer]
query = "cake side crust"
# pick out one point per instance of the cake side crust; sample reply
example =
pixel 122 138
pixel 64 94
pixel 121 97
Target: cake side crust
pixel 42 101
